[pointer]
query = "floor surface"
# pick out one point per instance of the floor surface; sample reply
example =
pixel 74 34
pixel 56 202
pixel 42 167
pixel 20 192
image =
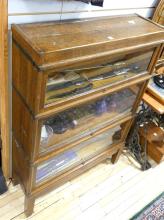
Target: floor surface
pixel 106 192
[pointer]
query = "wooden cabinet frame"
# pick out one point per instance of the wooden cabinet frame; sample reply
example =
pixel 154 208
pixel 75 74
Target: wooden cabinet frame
pixel 4 89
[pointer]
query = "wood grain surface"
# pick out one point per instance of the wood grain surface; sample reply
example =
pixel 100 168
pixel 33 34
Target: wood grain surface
pixel 4 89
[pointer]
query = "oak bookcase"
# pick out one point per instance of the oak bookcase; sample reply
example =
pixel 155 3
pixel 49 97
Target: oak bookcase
pixel 76 88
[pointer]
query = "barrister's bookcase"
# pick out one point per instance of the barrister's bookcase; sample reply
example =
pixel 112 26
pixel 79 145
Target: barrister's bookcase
pixel 76 88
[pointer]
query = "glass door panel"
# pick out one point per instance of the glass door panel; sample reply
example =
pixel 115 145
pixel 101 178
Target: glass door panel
pixel 75 123
pixel 77 155
pixel 76 82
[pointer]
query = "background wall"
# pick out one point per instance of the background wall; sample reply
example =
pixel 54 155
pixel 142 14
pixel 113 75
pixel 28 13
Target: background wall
pixel 21 11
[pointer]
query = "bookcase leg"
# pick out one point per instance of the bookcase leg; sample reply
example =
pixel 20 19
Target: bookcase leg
pixel 14 180
pixel 116 156
pixel 29 205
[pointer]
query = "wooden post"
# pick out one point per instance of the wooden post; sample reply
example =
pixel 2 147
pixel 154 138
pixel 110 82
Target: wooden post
pixel 4 87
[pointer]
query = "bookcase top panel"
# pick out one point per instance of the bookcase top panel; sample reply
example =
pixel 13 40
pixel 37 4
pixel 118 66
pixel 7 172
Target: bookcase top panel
pixel 50 44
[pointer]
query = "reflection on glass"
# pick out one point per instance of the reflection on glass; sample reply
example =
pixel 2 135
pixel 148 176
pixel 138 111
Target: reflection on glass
pixel 75 123
pixel 71 83
pixel 76 155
